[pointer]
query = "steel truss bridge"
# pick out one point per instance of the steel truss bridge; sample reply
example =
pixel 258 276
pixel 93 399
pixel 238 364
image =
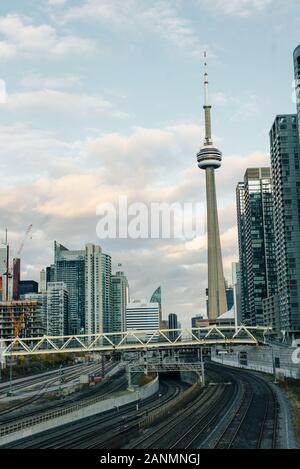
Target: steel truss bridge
pixel 134 340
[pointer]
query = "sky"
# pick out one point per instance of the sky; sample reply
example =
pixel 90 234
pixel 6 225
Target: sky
pixel 104 98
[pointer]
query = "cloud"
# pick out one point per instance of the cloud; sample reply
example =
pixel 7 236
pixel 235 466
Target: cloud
pixel 63 102
pixel 159 18
pixel 39 81
pixel 60 183
pixel 19 37
pixel 242 8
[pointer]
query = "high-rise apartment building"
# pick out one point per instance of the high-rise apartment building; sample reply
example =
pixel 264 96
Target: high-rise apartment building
pixel 94 315
pixel 285 161
pixel 69 267
pixel 297 81
pixel 57 309
pixel 119 301
pixel 256 241
pixel 106 292
pixel 240 204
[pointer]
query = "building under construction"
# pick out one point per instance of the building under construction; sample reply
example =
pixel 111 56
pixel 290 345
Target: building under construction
pixel 21 319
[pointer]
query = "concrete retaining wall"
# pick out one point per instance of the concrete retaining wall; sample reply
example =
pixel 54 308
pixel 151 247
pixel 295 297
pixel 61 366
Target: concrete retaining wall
pixel 261 358
pixel 188 377
pixel 102 406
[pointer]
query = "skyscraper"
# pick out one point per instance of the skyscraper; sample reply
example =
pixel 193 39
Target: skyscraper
pixel 27 286
pixel 57 309
pixel 297 81
pixel 156 298
pixel 285 160
pixel 119 301
pixel 256 224
pixel 69 268
pixel 241 223
pixel 16 277
pixel 94 317
pixel 209 158
pixel 173 324
pixel 4 271
pixel 237 299
pixel 106 292
pixel 43 281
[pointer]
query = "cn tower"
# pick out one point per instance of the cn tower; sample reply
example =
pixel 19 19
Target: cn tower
pixel 209 158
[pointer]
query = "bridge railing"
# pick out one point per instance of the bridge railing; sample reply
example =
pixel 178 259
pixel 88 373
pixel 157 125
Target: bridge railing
pixel 133 340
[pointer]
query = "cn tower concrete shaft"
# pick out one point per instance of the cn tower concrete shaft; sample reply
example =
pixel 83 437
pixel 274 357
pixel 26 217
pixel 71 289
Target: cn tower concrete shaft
pixel 217 302
pixel 209 158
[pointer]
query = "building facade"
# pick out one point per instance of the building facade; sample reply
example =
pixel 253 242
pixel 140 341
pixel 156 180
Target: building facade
pixel 297 81
pixel 94 317
pixel 27 286
pixel 142 316
pixel 4 279
pixel 57 309
pixel 256 225
pixel 237 296
pixel 285 161
pixel 69 267
pixel 241 223
pixel 22 319
pixel 119 301
pixel 106 292
pixel 173 324
pixel 156 298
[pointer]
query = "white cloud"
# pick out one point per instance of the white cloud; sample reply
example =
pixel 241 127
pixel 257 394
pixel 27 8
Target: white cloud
pixel 241 8
pixel 39 81
pixel 59 101
pixel 21 38
pixel 59 184
pixel 57 2
pixel 158 18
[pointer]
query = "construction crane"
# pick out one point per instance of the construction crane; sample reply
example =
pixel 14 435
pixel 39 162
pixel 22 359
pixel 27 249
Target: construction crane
pixel 27 233
pixel 25 237
pixel 17 323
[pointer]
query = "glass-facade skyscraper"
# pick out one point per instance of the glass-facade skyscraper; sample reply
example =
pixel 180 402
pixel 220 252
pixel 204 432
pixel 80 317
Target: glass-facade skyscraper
pixel 240 203
pixel 285 160
pixel 297 81
pixel 257 240
pixel 69 268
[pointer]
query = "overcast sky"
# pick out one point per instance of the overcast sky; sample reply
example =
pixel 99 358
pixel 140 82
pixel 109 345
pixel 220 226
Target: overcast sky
pixel 104 98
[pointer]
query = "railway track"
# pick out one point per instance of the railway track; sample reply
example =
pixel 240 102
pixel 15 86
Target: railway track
pixel 14 416
pixel 98 431
pixel 109 388
pixel 240 415
pixel 254 424
pixel 184 425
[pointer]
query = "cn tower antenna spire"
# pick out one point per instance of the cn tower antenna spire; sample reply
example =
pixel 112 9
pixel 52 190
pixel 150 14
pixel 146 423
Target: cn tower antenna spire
pixel 207 106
